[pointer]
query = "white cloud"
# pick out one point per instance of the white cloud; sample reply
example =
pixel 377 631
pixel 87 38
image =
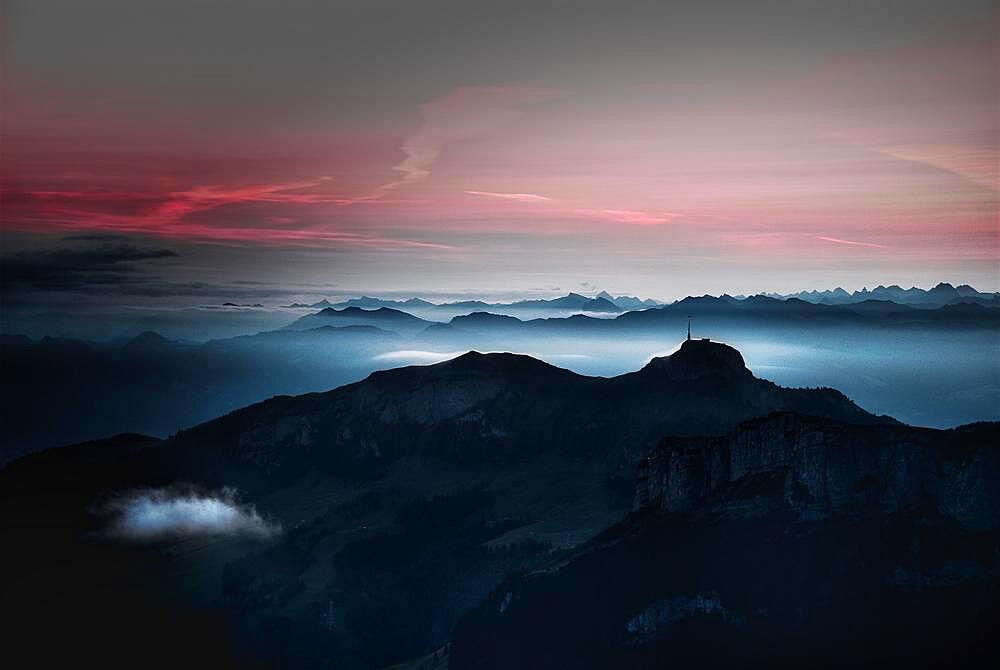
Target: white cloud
pixel 156 514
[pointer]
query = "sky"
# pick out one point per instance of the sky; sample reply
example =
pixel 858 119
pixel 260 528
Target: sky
pixel 190 151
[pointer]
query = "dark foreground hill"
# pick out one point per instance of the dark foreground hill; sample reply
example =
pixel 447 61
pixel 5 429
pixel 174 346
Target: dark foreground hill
pixel 404 499
pixel 789 541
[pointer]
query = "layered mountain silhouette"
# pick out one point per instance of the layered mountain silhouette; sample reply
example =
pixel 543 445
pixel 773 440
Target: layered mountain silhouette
pixel 941 294
pixel 155 385
pixel 383 317
pixel 628 302
pixel 711 311
pixel 802 313
pixel 602 302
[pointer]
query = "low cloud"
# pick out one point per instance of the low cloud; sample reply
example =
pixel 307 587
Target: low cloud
pixel 414 356
pixel 159 514
pixel 110 265
pixel 109 262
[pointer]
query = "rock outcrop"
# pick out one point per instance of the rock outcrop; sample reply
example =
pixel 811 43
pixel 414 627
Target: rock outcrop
pixel 817 468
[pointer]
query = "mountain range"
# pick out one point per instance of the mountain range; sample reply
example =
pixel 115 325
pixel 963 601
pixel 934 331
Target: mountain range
pixel 941 294
pixel 381 317
pixel 237 317
pixel 937 296
pixel 152 384
pixel 573 302
pixel 711 311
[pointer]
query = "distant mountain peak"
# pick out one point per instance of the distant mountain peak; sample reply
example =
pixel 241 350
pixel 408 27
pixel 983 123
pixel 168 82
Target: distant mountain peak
pixel 940 294
pixel 502 364
pixel 485 319
pixel 601 305
pixel 476 358
pixel 698 299
pixel 354 310
pixel 383 317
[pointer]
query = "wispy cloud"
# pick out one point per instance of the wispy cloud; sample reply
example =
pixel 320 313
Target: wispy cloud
pixel 102 214
pixel 463 113
pixel 201 198
pixel 520 197
pixel 837 240
pixel 637 217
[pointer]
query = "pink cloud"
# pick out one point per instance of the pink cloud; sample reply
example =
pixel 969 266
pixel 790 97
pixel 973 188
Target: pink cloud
pixel 799 156
pixel 200 198
pixel 520 197
pixel 463 113
pixel 837 240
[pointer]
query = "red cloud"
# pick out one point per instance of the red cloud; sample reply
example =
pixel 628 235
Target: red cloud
pixel 171 213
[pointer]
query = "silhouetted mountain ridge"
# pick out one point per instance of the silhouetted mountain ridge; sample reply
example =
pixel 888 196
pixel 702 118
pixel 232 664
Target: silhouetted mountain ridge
pixel 486 407
pixel 602 302
pixel 392 319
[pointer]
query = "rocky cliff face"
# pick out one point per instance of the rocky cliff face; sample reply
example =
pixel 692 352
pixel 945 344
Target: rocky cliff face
pixel 790 541
pixel 816 468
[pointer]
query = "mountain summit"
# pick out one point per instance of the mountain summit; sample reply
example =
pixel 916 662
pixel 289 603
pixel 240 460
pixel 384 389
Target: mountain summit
pixel 700 358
